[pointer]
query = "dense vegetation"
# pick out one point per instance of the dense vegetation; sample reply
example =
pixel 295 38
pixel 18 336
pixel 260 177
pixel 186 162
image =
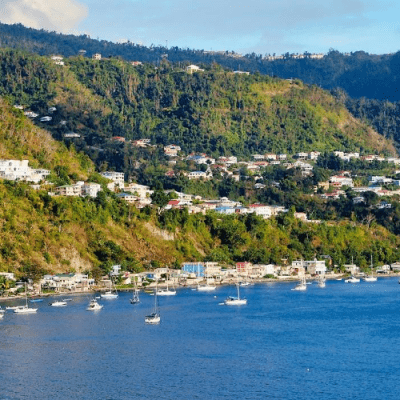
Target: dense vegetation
pixel 359 74
pixel 42 233
pixel 214 111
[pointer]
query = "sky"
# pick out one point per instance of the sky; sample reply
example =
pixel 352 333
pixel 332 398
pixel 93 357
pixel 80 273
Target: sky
pixel 244 26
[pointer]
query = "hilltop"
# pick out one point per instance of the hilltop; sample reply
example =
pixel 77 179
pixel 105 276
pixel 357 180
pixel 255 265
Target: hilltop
pixel 358 73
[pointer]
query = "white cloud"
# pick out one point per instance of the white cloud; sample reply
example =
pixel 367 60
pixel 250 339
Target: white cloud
pixel 58 15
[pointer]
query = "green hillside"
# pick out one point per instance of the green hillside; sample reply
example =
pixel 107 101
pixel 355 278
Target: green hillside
pixel 213 111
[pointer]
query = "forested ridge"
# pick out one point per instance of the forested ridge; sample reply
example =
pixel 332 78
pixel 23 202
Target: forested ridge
pixel 213 111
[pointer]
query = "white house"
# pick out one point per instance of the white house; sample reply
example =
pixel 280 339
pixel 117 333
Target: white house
pixel 116 177
pixel 91 189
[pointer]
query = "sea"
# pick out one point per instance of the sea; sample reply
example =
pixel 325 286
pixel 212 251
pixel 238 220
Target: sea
pixel 337 342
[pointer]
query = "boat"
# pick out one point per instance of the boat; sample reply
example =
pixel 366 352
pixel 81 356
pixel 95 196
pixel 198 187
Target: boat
pixel 166 292
pixel 245 283
pixel 302 285
pixel 35 300
pixel 352 279
pixel 235 301
pixel 94 306
pixel 1 313
pixel 110 294
pixel 58 303
pixel 322 282
pixel 206 288
pixel 12 308
pixel 370 278
pixel 154 318
pixel 25 309
pixel 135 298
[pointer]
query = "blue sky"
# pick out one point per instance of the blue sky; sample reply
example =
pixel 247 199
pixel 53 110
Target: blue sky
pixel 260 26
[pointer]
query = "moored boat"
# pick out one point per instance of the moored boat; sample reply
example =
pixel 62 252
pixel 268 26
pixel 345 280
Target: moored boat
pixel 235 301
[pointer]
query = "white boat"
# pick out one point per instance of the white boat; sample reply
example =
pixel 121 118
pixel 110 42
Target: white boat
pixel 12 308
pixel 135 298
pixel 302 285
pixel 1 313
pixel 110 294
pixel 166 292
pixel 94 306
pixel 58 303
pixel 370 278
pixel 352 279
pixel 25 309
pixel 235 301
pixel 206 288
pixel 322 282
pixel 154 318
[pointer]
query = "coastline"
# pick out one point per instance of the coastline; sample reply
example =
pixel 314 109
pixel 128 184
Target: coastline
pixel 188 284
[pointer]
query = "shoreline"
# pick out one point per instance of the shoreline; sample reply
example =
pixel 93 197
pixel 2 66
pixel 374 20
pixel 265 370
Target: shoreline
pixel 288 279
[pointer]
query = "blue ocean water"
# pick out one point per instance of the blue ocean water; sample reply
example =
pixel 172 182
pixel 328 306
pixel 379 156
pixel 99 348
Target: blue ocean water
pixel 340 342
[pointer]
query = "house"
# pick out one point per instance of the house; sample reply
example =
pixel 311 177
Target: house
pixel 171 150
pixel 141 191
pixel 200 175
pixel 196 268
pixel 96 56
pixel 352 268
pixel 128 197
pixel 315 267
pixel 116 177
pixel 141 142
pixel 91 189
pixel 225 210
pixel 69 190
pixel 193 68
pixel 244 268
pixel 340 180
pixel 136 63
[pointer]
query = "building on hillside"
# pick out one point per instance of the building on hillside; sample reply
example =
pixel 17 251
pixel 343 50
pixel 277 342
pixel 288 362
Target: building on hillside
pixel 193 68
pixel 68 190
pixel 116 177
pixel 172 150
pixel 91 189
pixel 96 56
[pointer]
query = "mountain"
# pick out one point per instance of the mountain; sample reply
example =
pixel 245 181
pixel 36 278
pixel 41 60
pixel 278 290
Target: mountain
pixel 360 74
pixel 213 111
pixel 42 233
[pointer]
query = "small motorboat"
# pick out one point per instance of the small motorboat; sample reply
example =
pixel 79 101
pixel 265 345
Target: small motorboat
pixel 94 306
pixel 58 303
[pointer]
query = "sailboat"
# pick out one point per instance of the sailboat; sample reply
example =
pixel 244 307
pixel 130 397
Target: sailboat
pixel 135 298
pixel 206 288
pixel 321 282
pixel 371 278
pixel 235 301
pixel 167 292
pixel 154 318
pixel 302 285
pixel 25 309
pixel 110 294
